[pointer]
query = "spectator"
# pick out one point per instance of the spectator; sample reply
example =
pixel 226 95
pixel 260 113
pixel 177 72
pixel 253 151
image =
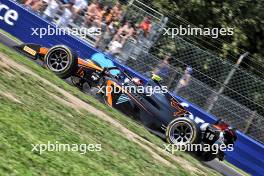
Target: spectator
pixel 115 47
pixel 124 33
pixel 104 24
pixel 35 5
pixel 51 10
pixel 66 17
pixel 163 69
pixel 109 16
pixel 101 19
pixel 117 12
pixel 185 79
pixel 79 5
pixel 145 26
pixel 107 36
pixel 94 13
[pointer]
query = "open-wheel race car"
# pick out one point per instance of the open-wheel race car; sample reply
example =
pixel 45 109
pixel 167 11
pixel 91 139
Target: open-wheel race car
pixel 147 102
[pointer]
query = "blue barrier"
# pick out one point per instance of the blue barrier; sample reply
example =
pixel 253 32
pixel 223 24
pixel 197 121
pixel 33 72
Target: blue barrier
pixel 248 154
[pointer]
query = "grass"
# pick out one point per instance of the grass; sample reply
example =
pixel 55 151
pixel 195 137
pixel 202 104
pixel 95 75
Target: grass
pixel 39 118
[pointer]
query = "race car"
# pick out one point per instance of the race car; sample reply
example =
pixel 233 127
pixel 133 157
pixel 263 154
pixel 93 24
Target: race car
pixel 158 112
pixel 147 102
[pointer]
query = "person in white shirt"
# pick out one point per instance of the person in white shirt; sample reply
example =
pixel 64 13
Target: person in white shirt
pixel 115 47
pixel 67 15
pixel 51 10
pixel 185 79
pixel 79 5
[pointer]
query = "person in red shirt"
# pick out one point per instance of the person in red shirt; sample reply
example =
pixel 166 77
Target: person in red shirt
pixel 145 25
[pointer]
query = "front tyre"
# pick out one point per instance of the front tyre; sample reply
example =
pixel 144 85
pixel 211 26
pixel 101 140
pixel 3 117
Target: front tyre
pixel 181 131
pixel 61 61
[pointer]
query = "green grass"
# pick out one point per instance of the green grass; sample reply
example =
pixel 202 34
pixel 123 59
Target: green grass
pixel 40 118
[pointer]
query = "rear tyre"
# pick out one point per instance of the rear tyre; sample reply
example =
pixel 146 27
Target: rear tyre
pixel 62 61
pixel 182 131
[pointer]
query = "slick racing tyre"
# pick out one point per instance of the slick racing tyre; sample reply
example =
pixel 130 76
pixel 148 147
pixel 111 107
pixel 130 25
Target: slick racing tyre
pixel 181 131
pixel 61 60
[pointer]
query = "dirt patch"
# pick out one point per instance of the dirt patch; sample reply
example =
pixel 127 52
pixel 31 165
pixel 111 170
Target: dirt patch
pixel 73 101
pixel 63 101
pixel 3 66
pixel 10 97
pixel 7 69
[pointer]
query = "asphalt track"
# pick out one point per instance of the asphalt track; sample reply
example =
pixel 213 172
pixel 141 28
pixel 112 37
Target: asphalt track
pixel 221 167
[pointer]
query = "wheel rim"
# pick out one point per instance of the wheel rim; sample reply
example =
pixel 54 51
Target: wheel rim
pixel 181 133
pixel 58 60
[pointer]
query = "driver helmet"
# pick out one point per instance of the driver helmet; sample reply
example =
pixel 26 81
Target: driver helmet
pixel 156 77
pixel 230 134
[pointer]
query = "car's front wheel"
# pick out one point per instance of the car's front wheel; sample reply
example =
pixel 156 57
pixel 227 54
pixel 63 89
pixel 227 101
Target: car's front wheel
pixel 61 61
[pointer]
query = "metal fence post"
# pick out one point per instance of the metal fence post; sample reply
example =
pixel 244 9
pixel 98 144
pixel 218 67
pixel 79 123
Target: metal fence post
pixel 228 78
pixel 250 120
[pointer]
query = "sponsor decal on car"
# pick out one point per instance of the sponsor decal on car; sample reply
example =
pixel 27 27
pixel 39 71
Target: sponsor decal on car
pixel 200 122
pixel 30 50
pixel 123 98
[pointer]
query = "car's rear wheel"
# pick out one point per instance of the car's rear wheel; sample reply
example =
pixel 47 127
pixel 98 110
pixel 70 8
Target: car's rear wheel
pixel 61 60
pixel 182 131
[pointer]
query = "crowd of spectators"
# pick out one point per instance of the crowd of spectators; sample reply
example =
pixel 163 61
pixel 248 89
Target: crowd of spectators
pixel 115 26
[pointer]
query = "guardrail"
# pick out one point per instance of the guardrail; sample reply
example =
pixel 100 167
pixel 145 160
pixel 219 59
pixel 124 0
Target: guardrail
pixel 21 23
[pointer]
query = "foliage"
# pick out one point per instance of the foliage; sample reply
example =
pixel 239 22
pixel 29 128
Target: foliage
pixel 245 16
